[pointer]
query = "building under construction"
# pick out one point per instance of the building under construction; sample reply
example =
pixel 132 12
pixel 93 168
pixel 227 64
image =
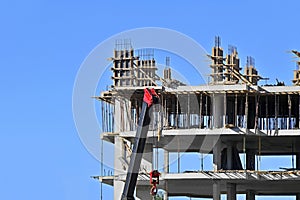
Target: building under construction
pixel 230 116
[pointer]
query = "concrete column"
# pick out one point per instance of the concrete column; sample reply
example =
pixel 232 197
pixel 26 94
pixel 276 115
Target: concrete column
pixel 276 114
pixel 217 156
pixel 250 159
pixel 120 164
pixel 120 167
pixel 143 192
pixel 117 116
pixel 298 196
pixel 229 156
pixel 267 116
pixel 166 161
pixel 231 191
pixel 177 110
pixel 235 110
pixel 200 111
pixel 216 191
pixel 147 158
pixel 290 112
pixel 127 114
pixel 188 121
pixel 299 111
pixel 246 112
pixel 166 196
pixel 225 110
pixel 250 195
pixel 298 161
pixel 218 110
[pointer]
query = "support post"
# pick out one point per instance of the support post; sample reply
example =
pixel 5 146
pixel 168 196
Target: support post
pixel 290 111
pixel 218 110
pixel 256 113
pixel 163 113
pixel 250 159
pixel 246 113
pixel 298 196
pixel 142 192
pixel 299 111
pixel 267 115
pixel 119 167
pixel 225 110
pixel 231 191
pixel 250 195
pixel 216 191
pixel 166 112
pixel 217 156
pixel 212 117
pixel 177 110
pixel 173 103
pixel 188 112
pixel 166 195
pixel 121 115
pixel 206 110
pixel 200 111
pixel 298 161
pixel 178 161
pixel 276 115
pixel 235 110
pixel 166 161
pixel 229 157
pixel 137 108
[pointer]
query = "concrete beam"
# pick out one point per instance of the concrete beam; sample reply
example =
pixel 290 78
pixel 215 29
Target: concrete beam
pixel 231 191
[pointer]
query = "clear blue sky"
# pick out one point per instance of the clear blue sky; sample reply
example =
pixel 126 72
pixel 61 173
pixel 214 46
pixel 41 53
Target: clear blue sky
pixel 43 44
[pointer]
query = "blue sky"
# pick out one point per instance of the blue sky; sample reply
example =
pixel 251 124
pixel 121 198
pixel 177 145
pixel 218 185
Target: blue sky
pixel 43 44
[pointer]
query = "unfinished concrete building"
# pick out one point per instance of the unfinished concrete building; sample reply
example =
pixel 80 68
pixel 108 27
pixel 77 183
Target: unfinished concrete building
pixel 230 116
